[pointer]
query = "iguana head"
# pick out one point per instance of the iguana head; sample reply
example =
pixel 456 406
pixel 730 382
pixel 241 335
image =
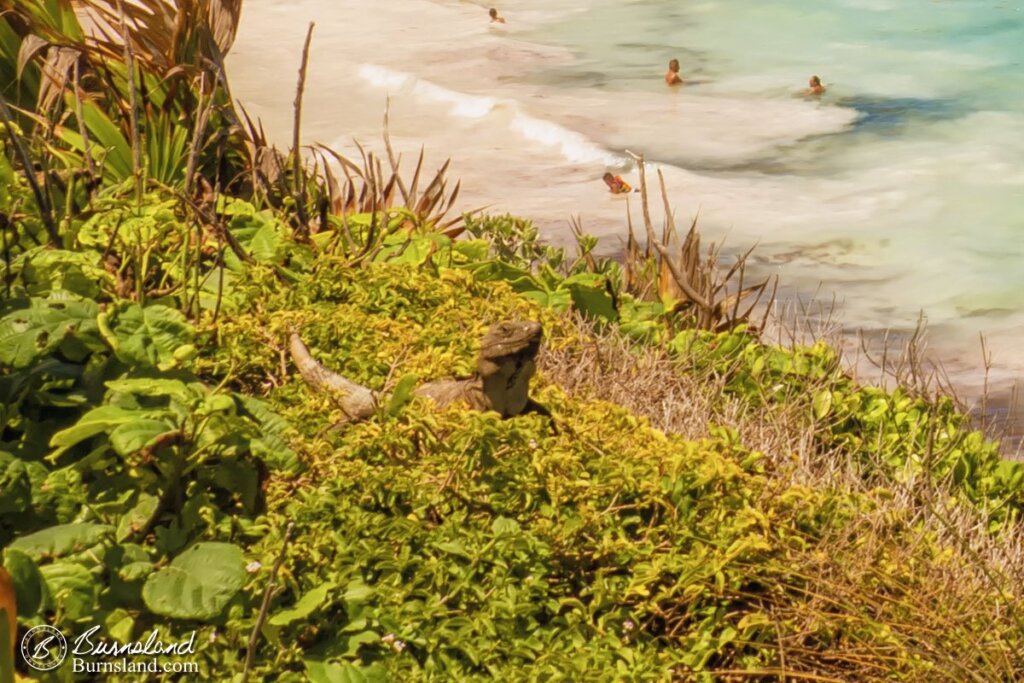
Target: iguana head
pixel 508 341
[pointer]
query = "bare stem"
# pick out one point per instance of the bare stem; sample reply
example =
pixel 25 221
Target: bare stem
pixel 82 128
pixel 299 186
pixel 648 225
pixel 204 109
pixel 133 99
pixel 250 650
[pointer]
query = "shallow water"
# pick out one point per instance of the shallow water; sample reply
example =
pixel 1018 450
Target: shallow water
pixel 901 190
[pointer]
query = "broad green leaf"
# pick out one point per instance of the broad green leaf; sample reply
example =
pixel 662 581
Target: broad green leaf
pixel 198 583
pixel 107 142
pixel 276 454
pixel 401 248
pixel 135 571
pixel 50 270
pixel 72 588
pixel 150 335
pixel 28 582
pixel 559 299
pixel 120 625
pixel 133 436
pixel 474 251
pixel 306 605
pixel 231 206
pixel 218 403
pixel 266 241
pixel 753 620
pixel 520 279
pixel 138 517
pixel 61 540
pixel 239 477
pixel 60 491
pixel 1010 474
pixel 353 642
pixel 15 485
pixel 30 333
pixel 8 181
pixel 590 295
pixel 272 445
pixel 130 561
pixel 146 386
pixel 100 420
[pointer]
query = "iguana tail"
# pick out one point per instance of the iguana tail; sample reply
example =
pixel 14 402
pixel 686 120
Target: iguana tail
pixel 357 401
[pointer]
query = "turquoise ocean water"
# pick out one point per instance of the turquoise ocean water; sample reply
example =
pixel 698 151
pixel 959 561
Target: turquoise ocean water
pixel 899 193
pixel 937 94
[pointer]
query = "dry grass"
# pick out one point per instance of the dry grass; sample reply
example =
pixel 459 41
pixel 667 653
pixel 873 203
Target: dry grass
pixel 876 569
pixel 958 612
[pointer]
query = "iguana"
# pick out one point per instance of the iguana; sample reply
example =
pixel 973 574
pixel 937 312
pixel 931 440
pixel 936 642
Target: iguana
pixel 504 366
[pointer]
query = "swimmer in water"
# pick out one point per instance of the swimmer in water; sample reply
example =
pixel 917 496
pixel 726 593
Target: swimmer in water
pixel 815 88
pixel 616 185
pixel 495 19
pixel 672 75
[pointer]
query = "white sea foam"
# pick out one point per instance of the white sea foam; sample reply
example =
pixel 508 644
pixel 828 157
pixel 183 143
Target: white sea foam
pixel 384 77
pixel 574 147
pixel 462 104
pixel 928 196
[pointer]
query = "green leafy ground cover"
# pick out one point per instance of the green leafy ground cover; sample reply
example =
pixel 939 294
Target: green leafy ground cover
pixel 449 544
pixel 160 461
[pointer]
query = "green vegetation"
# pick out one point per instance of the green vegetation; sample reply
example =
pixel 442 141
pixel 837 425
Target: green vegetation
pixel 701 505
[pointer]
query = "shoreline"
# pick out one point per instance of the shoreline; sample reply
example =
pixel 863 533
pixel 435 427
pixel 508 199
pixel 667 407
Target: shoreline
pixel 995 402
pixel 512 172
pixel 297 414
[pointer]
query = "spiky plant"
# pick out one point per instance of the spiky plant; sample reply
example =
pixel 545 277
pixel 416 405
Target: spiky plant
pixel 693 288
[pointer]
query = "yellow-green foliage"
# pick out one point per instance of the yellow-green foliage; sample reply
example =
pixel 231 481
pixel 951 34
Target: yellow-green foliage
pixel 448 544
pixel 452 545
pixel 427 544
pixel 362 322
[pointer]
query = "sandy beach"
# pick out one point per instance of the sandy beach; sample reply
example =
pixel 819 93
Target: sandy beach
pixel 839 210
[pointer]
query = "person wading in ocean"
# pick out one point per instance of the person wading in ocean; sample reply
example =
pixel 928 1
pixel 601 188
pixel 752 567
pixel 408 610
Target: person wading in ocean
pixel 672 75
pixel 616 185
pixel 495 19
pixel 814 87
